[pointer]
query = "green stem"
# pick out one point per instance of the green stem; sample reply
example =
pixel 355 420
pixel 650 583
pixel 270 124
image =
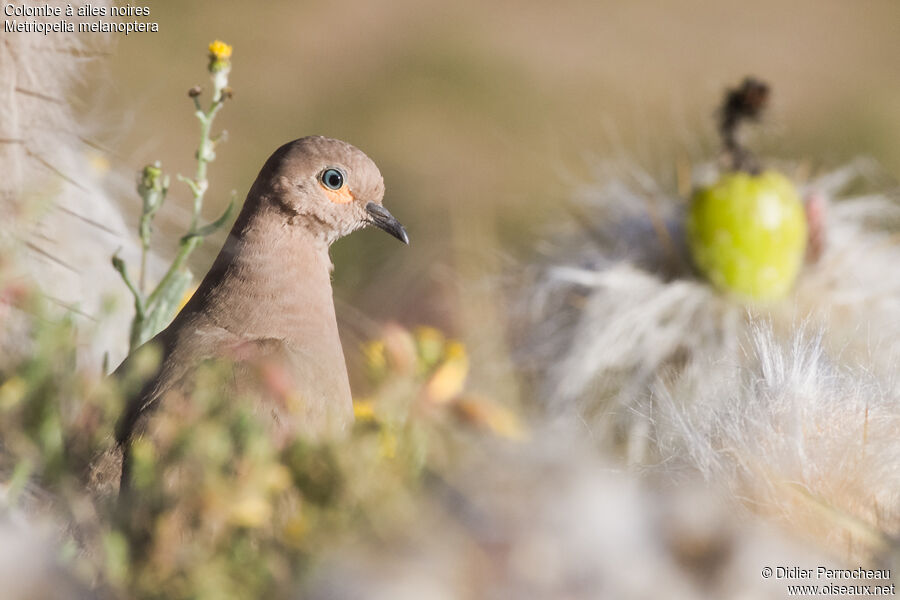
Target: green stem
pixel 154 311
pixel 140 306
pixel 145 250
pixel 142 279
pixel 199 184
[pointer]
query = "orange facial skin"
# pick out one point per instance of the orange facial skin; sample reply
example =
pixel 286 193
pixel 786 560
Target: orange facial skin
pixel 341 196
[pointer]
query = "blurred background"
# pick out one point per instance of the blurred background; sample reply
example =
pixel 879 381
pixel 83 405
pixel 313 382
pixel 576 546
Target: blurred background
pixel 485 116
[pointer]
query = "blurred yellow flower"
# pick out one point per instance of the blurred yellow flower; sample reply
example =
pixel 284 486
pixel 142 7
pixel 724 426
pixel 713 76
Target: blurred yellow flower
pixel 387 444
pixel 448 380
pixel 277 478
pixel 364 410
pixel 430 343
pixel 373 352
pixel 12 391
pixel 295 529
pixel 99 163
pixel 394 352
pixel 498 419
pixel 455 350
pixel 250 511
pixel 219 50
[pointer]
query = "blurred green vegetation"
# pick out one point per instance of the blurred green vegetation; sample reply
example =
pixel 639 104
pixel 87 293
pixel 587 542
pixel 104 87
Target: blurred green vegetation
pixel 218 506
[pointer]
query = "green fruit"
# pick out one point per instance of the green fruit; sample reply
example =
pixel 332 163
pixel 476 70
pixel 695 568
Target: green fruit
pixel 747 234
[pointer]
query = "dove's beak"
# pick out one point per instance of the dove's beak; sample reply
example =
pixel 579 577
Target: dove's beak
pixel 384 220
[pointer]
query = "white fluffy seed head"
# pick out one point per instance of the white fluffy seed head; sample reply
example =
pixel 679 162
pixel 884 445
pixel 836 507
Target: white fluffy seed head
pixel 792 406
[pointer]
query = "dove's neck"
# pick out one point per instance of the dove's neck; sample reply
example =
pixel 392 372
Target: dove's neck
pixel 270 288
pixel 273 280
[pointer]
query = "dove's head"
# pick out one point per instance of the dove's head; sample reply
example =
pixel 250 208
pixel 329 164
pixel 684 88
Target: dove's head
pixel 327 186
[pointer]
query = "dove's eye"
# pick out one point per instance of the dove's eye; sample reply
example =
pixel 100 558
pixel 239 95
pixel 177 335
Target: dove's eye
pixel 332 179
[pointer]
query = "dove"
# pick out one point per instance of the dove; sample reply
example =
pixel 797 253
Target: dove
pixel 267 297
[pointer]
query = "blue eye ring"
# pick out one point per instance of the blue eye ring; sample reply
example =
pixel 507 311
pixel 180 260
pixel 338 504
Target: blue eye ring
pixel 332 178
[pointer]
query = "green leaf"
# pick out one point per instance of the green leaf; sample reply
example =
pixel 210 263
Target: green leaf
pixel 215 225
pixel 20 476
pixel 163 310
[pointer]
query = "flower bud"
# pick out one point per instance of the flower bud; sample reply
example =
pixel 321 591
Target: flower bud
pixel 152 186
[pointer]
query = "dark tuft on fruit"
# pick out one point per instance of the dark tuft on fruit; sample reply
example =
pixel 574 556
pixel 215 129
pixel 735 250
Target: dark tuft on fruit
pixel 744 103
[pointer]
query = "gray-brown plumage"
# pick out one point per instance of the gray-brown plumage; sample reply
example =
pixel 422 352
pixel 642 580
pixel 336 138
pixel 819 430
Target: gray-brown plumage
pixel 268 295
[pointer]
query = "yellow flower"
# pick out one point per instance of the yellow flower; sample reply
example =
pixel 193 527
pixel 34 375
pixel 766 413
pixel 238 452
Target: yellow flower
pixel 430 343
pixel 373 352
pixel 455 350
pixel 387 444
pixel 219 64
pixel 99 163
pixel 295 529
pixel 277 478
pixel 219 50
pixel 449 378
pixel 12 391
pixel 250 511
pixel 496 418
pixel 364 410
